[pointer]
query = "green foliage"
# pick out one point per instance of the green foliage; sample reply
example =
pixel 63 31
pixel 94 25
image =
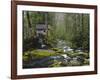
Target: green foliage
pixel 77 41
pixel 86 62
pixel 26 56
pixel 71 27
pixel 51 37
pixel 81 37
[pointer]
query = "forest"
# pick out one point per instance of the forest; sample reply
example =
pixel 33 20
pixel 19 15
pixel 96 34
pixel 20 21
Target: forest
pixel 55 39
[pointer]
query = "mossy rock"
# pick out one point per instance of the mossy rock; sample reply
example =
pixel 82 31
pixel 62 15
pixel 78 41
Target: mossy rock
pixel 74 63
pixel 85 55
pixel 42 53
pixel 74 54
pixel 60 51
pixel 55 49
pixel 56 64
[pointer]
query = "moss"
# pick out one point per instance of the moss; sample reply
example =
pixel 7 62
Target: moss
pixel 42 53
pixel 25 58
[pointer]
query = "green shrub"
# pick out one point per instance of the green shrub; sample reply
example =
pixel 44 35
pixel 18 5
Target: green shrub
pixel 25 58
pixel 86 61
pixel 26 53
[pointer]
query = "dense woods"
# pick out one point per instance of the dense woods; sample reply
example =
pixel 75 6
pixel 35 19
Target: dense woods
pixel 71 27
pixel 63 29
